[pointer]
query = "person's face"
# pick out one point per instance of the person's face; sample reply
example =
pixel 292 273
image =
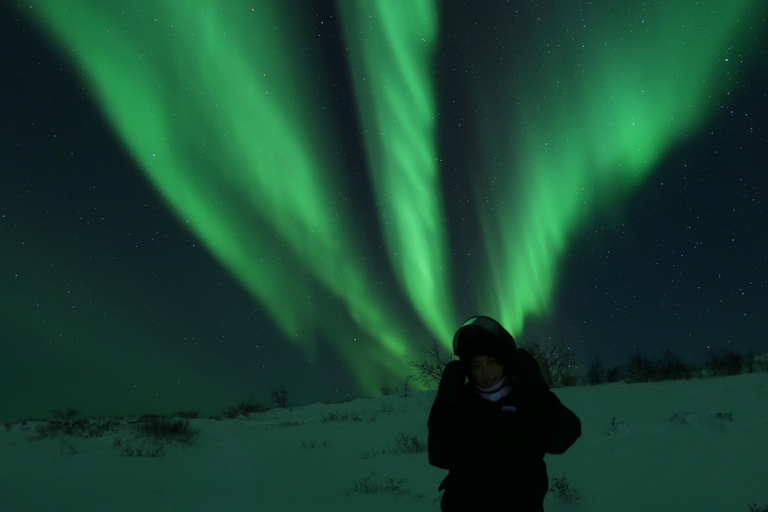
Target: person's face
pixel 486 371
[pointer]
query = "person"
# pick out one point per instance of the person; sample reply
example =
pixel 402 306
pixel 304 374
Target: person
pixel 491 433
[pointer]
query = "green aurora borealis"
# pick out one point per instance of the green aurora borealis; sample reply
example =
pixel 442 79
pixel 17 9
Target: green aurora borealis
pixel 231 118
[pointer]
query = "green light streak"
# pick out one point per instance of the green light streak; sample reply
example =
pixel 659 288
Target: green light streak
pixel 590 124
pixel 213 103
pixel 391 45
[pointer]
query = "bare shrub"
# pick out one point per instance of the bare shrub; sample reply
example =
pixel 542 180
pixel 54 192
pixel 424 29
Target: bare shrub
pixel 80 427
pixel 139 448
pixel 556 357
pixel 564 490
pixel 409 444
pixel 614 374
pixel 725 362
pixel 761 363
pixel 167 429
pixel 640 369
pixel 428 367
pixel 312 444
pixel 672 367
pixel 244 408
pixel 393 486
pixel 596 373
pixel 329 416
pixel 279 396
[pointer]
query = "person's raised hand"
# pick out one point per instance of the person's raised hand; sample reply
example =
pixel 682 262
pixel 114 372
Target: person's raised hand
pixel 452 380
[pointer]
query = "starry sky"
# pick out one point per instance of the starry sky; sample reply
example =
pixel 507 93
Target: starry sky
pixel 200 201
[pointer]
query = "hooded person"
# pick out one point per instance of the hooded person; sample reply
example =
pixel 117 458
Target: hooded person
pixel 492 421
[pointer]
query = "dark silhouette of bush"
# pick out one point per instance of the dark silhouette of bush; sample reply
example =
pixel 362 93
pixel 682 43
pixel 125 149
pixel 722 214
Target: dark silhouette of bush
pixel 68 424
pixel 244 408
pixel 564 490
pixel 409 444
pixel 672 367
pixel 640 369
pixel 393 486
pixel 428 367
pixel 167 429
pixel 669 367
pixel 750 365
pixel 596 373
pixel 557 357
pixel 614 374
pixel 725 362
pixel 279 396
pixel 139 448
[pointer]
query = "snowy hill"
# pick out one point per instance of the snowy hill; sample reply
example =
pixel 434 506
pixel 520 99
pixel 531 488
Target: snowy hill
pixel 697 445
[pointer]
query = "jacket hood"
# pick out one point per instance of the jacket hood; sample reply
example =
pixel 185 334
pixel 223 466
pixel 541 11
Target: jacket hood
pixel 482 335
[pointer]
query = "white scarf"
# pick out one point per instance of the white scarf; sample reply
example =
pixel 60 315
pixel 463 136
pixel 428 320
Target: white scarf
pixel 496 392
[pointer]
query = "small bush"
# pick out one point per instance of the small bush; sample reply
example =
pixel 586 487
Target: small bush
pixel 329 416
pixel 618 427
pixel 314 444
pixel 167 430
pixel 405 392
pixel 556 357
pixel 613 374
pixel 409 444
pixel 139 448
pixel 596 373
pixel 761 363
pixel 753 507
pixel 428 367
pixel 564 490
pixel 640 369
pixel 671 367
pixel 279 396
pixel 725 363
pixel 84 428
pixel 749 362
pixel 244 408
pixel 392 486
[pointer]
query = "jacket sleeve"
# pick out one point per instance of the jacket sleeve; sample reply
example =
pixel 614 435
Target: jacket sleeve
pixel 442 417
pixel 560 427
pixel 441 436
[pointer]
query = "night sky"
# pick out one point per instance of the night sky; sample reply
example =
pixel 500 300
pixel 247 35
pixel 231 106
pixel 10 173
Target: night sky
pixel 199 203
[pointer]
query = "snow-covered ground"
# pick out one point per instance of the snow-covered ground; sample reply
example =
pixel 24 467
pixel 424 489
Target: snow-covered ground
pixel 698 445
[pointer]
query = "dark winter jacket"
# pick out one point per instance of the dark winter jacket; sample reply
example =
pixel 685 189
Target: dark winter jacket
pixel 494 451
